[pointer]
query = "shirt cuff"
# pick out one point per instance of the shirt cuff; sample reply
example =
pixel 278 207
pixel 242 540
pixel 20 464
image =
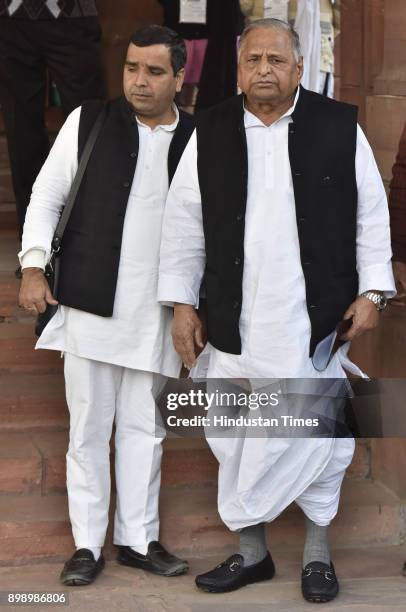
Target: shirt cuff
pixel 34 258
pixel 173 289
pixel 378 277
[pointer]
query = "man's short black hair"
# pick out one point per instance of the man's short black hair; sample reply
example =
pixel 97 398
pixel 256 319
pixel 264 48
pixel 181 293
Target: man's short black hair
pixel 160 35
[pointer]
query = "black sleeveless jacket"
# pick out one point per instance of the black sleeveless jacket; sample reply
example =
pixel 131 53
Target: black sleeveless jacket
pixel 322 147
pixel 90 249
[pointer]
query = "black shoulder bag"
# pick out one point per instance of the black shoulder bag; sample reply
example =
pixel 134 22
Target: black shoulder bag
pixel 52 268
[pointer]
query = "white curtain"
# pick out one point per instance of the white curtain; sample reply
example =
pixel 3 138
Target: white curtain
pixel 307 25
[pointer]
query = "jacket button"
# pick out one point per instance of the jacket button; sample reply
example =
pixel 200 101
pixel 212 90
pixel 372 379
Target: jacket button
pixel 237 261
pixel 307 263
pixel 312 306
pixel 297 174
pixel 239 217
pixel 133 154
pixel 126 184
pixel 236 304
pixel 302 219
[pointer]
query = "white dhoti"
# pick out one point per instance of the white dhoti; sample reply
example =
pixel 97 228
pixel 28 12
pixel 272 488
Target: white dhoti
pixel 260 476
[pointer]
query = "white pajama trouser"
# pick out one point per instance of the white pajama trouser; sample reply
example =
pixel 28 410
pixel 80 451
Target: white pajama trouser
pixel 99 394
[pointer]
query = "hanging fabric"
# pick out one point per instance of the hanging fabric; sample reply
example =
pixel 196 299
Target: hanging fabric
pixel 193 11
pixel 276 9
pixel 307 25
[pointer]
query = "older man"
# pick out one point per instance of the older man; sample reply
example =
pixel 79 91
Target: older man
pixel 278 201
pixel 115 337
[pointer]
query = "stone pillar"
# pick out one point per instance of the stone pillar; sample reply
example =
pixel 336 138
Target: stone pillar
pixel 373 76
pixel 385 120
pixel 386 103
pixel 361 50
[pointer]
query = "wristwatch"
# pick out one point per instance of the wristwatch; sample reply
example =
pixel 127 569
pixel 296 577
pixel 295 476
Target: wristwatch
pixel 378 299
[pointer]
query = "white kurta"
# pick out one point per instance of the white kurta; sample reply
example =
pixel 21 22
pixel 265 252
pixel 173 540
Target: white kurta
pixel 138 334
pixel 259 477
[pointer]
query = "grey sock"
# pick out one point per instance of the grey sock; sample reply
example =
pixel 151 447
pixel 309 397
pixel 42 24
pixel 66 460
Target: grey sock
pixel 316 545
pixel 253 544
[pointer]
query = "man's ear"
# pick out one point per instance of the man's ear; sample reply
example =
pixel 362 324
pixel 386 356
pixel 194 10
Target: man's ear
pixel 180 77
pixel 300 67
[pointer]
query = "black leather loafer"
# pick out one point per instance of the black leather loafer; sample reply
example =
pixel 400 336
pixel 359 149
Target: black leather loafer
pixel 157 560
pixel 81 569
pixel 319 582
pixel 232 575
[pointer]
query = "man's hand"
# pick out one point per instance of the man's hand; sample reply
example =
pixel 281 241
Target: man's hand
pixel 35 293
pixel 399 272
pixel 187 333
pixel 365 317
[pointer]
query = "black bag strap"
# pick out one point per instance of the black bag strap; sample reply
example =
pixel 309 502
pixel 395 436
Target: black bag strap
pixel 67 210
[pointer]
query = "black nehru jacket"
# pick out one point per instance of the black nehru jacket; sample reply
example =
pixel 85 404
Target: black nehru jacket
pixel 322 147
pixel 41 9
pixel 90 250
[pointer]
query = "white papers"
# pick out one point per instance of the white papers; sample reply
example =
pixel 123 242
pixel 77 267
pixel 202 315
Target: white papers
pixel 277 9
pixel 193 11
pixel 13 6
pixel 322 353
pixel 54 8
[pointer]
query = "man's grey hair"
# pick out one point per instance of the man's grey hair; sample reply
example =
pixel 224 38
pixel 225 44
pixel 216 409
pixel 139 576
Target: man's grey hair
pixel 276 24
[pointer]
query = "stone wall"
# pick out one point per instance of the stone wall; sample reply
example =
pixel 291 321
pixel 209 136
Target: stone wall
pixel 117 25
pixel 373 75
pixel 373 72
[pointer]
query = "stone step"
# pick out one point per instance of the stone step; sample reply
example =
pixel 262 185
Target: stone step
pixel 30 403
pixel 370 581
pixel 9 246
pixel 4 159
pixel 33 460
pixel 8 216
pixel 6 186
pixel 17 353
pixel 34 463
pixel 36 528
pixel 9 288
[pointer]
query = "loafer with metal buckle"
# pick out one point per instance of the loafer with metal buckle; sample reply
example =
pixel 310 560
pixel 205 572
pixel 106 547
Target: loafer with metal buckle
pixel 81 569
pixel 157 560
pixel 232 575
pixel 319 582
